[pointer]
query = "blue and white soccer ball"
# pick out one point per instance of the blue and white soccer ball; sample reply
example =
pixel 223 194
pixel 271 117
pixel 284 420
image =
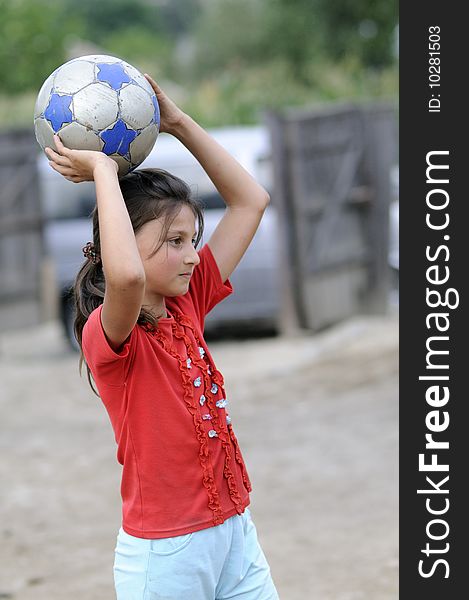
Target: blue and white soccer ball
pixel 99 102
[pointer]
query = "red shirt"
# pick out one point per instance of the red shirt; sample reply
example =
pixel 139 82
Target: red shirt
pixel 182 467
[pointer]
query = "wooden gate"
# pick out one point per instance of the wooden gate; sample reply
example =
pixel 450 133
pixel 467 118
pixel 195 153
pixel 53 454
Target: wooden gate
pixel 332 192
pixel 20 230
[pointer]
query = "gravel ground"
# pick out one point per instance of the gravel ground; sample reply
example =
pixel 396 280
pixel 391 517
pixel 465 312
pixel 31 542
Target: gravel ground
pixel 316 418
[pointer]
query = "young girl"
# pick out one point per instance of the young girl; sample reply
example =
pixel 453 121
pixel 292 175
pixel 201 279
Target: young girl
pixel 141 300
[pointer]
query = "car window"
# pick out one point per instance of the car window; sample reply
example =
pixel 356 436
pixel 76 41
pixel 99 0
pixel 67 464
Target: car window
pixel 62 199
pixel 212 201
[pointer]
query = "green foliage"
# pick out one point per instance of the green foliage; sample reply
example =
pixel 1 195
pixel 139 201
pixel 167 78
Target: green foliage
pixel 225 60
pixel 257 54
pixel 360 28
pixel 219 41
pixel 240 96
pixel 301 32
pixel 140 48
pixel 104 17
pixel 32 35
pixel 246 33
pixel 294 32
pixel 178 16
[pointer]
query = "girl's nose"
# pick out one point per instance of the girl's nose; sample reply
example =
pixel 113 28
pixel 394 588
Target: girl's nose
pixel 192 257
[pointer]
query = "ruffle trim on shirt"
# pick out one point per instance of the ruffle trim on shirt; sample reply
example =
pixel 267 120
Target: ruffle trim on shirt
pixel 223 431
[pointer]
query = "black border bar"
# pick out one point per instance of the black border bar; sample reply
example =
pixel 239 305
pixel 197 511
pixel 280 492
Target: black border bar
pixel 434 340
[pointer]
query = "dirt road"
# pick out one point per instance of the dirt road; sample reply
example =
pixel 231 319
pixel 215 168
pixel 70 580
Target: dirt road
pixel 316 417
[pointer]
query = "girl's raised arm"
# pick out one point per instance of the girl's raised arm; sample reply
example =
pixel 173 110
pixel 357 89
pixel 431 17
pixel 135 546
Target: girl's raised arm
pixel 123 269
pixel 245 199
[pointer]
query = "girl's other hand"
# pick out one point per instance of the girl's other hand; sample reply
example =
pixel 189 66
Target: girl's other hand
pixel 77 165
pixel 171 115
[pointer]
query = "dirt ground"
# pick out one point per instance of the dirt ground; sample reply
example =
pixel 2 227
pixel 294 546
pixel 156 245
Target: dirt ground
pixel 316 417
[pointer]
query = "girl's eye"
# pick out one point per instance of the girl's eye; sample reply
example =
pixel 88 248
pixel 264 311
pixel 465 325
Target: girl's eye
pixel 179 241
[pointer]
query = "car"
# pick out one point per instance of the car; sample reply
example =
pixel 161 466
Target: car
pixel 255 305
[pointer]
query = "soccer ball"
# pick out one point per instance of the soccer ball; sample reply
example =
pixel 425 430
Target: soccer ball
pixel 99 102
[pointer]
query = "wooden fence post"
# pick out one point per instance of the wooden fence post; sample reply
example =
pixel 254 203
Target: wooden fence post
pixel 290 312
pixel 21 239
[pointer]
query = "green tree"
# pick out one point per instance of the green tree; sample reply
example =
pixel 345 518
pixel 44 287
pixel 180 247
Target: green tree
pixel 229 33
pixel 144 32
pixel 105 17
pixel 139 47
pixel 362 28
pixel 299 33
pixel 32 34
pixel 294 31
pixel 178 16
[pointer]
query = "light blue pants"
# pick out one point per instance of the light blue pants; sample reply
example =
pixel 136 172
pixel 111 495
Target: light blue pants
pixel 217 563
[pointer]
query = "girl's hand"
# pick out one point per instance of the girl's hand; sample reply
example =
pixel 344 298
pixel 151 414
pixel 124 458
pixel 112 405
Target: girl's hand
pixel 171 115
pixel 77 165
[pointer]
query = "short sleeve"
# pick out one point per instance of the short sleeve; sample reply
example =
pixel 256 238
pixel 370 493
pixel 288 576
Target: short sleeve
pixel 106 365
pixel 207 289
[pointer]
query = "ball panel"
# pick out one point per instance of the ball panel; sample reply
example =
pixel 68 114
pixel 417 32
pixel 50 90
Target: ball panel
pixel 114 75
pixel 58 111
pixel 124 164
pixel 117 139
pixel 74 76
pixel 79 137
pixel 137 109
pixel 43 97
pixel 156 106
pixel 44 133
pixel 141 147
pixel 138 77
pixel 96 106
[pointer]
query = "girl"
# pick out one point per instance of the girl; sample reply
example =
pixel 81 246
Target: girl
pixel 141 300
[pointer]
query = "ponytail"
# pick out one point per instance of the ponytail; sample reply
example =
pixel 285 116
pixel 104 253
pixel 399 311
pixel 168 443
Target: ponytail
pixel 88 291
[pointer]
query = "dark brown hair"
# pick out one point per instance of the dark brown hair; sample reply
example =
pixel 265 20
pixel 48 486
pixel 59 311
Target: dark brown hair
pixel 148 194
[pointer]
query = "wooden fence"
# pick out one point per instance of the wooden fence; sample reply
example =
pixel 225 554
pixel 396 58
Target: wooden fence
pixel 20 230
pixel 332 192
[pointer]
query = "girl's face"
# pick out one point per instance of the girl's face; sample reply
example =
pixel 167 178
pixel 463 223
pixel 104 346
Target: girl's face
pixel 168 271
